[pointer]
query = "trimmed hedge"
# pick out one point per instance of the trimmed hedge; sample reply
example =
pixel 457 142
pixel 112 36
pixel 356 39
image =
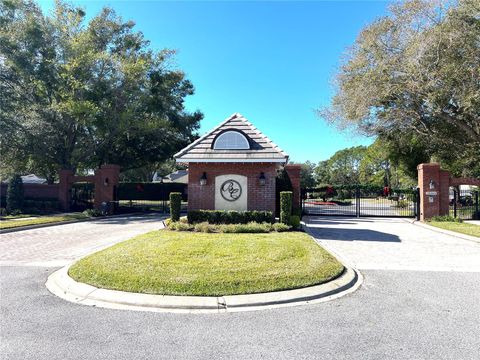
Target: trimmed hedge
pixel 32 205
pixel 251 227
pixel 175 205
pixel 229 217
pixel 285 207
pixel 295 221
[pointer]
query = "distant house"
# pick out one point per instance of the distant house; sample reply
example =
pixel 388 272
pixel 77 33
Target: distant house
pixel 179 176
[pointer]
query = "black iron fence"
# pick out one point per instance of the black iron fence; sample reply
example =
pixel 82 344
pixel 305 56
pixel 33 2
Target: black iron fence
pixel 360 201
pixel 148 197
pixel 464 204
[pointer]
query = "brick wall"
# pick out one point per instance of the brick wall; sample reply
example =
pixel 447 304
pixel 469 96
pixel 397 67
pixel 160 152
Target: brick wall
pixel 259 197
pixel 35 191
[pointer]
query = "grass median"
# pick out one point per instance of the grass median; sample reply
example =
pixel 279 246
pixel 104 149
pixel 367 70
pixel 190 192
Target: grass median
pixel 204 264
pixel 19 222
pixel 461 227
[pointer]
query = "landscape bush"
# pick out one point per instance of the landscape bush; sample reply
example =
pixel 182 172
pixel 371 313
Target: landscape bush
pixel 402 204
pixel 15 195
pixel 40 205
pixel 446 218
pixel 229 217
pixel 175 205
pixel 92 213
pixel 179 226
pixel 205 227
pixel 280 227
pixel 285 207
pixel 295 221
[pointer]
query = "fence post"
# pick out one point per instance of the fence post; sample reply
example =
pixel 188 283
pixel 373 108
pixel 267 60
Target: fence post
pixel 357 200
pixel 454 203
pixel 417 203
pixel 477 213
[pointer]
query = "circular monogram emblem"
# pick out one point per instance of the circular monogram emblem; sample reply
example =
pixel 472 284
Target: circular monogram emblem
pixel 231 190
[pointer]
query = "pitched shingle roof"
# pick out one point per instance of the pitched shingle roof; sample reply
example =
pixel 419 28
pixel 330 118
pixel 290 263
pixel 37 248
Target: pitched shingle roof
pixel 262 149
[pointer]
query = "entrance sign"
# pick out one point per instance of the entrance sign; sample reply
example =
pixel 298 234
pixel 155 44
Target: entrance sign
pixel 231 192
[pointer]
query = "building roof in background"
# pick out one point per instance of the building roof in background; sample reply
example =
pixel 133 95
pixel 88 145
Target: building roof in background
pixel 33 179
pixel 179 176
pixel 262 149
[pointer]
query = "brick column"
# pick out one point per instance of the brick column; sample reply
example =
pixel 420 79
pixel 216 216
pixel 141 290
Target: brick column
pixel 293 172
pixel 434 188
pixel 65 183
pixel 106 181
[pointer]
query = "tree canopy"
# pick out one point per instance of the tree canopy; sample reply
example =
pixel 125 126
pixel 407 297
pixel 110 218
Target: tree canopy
pixel 78 94
pixel 368 165
pixel 412 78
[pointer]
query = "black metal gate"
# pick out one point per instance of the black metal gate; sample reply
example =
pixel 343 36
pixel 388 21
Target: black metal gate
pixel 464 204
pixel 148 197
pixel 82 196
pixel 361 201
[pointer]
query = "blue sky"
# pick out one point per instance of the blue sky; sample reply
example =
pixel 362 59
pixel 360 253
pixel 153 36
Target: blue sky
pixel 271 61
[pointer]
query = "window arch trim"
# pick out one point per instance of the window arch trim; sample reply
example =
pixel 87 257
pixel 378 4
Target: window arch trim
pixel 239 146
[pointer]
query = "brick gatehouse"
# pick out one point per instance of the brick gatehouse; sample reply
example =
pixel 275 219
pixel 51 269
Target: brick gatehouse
pixel 233 167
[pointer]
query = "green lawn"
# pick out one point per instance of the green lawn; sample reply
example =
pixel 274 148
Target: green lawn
pixel 184 263
pixel 11 223
pixel 464 228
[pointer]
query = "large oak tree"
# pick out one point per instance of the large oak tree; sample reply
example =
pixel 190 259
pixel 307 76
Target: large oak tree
pixel 413 78
pixel 77 94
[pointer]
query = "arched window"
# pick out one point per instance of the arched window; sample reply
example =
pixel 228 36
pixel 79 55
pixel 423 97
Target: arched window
pixel 231 140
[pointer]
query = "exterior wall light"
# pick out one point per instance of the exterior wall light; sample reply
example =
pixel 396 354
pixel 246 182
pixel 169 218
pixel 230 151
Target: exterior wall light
pixel 203 179
pixel 262 179
pixel 106 181
pixel 432 184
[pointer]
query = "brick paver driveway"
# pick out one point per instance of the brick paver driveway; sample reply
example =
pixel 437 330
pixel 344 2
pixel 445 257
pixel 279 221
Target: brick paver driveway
pixel 394 244
pixel 59 245
pixel 397 313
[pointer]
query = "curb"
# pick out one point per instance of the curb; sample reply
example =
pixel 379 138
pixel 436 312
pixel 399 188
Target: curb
pixel 56 223
pixel 62 285
pixel 447 232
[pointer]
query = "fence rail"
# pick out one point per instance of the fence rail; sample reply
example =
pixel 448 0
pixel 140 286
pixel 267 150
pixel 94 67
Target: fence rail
pixel 360 201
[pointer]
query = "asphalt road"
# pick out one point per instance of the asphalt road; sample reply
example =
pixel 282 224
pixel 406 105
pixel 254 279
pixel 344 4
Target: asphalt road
pixel 396 314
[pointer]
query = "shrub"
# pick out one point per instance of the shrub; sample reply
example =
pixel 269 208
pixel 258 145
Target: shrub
pixel 285 206
pixel 402 204
pixel 280 227
pixel 295 221
pixel 342 194
pixel 446 218
pixel 34 205
pixel 229 217
pixel 205 227
pixel 15 194
pixel 179 226
pixel 3 211
pixel 175 205
pixel 251 227
pixel 92 213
